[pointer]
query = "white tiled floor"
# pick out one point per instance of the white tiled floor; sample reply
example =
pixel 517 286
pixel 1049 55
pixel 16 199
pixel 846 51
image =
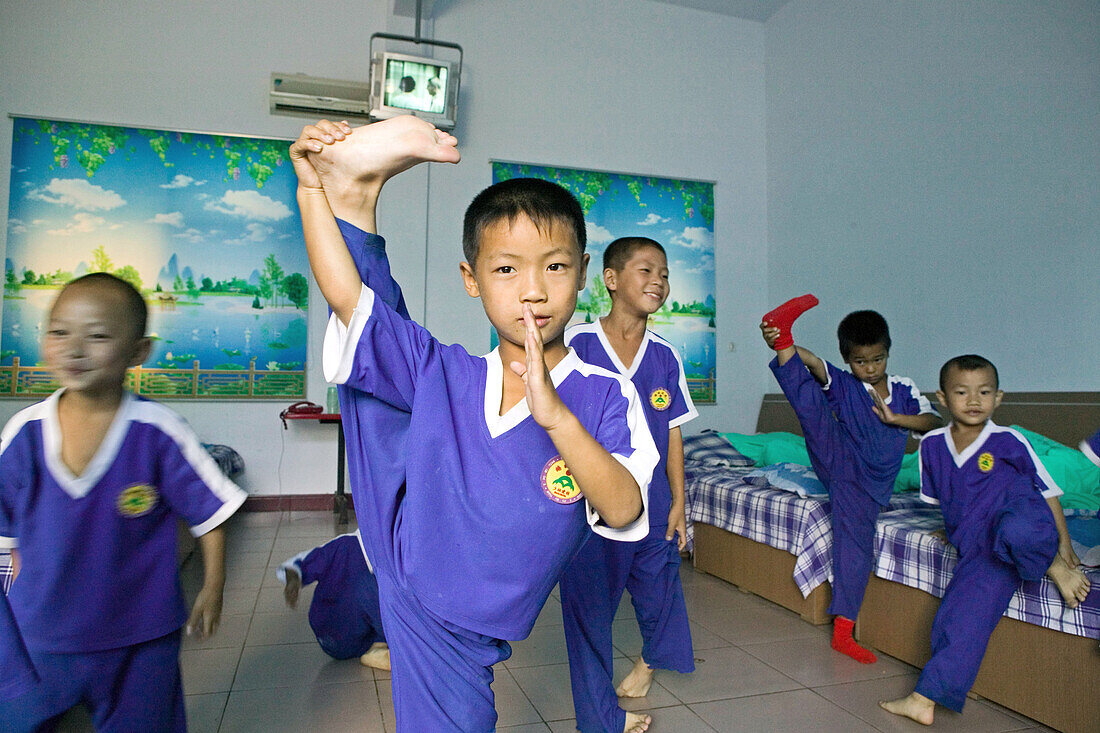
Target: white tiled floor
pixel 758 666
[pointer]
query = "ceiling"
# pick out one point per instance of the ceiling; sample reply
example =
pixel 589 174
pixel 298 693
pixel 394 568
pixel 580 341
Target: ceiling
pixel 758 10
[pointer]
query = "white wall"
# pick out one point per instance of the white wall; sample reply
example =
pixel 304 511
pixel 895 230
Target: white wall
pixel 637 87
pixel 940 162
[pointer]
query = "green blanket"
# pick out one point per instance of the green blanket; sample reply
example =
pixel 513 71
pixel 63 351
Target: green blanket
pixel 1075 474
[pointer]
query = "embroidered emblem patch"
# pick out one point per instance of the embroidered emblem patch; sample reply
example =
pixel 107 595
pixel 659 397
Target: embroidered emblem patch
pixel 558 483
pixel 660 399
pixel 137 500
pixel 985 462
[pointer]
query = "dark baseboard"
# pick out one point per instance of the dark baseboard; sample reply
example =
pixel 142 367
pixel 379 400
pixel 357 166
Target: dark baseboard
pixel 293 503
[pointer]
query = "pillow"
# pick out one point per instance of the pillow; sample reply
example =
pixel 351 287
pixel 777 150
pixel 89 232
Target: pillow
pixel 789 477
pixel 712 449
pixel 769 448
pixel 1075 474
pixel 909 476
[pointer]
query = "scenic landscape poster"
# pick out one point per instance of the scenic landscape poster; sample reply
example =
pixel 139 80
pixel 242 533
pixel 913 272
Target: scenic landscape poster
pixel 205 226
pixel 680 215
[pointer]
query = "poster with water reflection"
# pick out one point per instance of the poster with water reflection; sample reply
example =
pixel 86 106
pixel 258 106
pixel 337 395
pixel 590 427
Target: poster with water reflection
pixel 677 213
pixel 205 226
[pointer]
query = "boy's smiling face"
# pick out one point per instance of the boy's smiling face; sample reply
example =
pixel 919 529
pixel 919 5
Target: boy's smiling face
pixel 91 340
pixel 642 284
pixel 518 263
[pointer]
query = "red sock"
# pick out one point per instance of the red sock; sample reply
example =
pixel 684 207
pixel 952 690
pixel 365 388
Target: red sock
pixel 784 317
pixel 845 644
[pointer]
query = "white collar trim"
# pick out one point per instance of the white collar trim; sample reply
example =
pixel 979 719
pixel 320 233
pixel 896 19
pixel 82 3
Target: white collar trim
pixel 494 391
pixel 78 486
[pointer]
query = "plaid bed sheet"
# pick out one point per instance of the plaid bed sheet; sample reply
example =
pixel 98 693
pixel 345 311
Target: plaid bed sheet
pixel 905 551
pixel 5 572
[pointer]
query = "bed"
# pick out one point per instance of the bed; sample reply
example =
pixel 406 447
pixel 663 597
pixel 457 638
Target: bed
pixel 1042 661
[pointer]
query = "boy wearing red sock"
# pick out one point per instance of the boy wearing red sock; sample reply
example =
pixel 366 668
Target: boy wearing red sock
pixel 856 425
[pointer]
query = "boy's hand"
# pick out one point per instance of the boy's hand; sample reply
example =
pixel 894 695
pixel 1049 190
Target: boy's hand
pixel 881 409
pixel 677 525
pixel 542 399
pixel 770 333
pixel 312 140
pixel 206 613
pixel 940 535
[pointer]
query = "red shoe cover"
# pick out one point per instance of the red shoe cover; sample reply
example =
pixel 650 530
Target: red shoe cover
pixel 845 644
pixel 784 317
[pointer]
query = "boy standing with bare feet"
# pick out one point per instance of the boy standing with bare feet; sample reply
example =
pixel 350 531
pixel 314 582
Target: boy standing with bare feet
pixel 636 275
pixel 506 445
pixel 991 488
pixel 856 425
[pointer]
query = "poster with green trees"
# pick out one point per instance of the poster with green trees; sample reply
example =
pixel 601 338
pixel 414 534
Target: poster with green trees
pixel 677 213
pixel 205 226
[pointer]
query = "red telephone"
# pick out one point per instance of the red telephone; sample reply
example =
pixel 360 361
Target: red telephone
pixel 300 408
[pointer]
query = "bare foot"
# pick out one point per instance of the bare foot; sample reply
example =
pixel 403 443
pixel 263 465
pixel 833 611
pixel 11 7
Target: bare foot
pixel 1071 582
pixel 636 684
pixel 379 151
pixel 292 588
pixel 636 723
pixel 377 657
pixel 915 707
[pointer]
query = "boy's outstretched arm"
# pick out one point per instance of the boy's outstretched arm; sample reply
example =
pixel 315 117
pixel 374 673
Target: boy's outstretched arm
pixel 674 468
pixel 207 611
pixel 351 172
pixel 607 485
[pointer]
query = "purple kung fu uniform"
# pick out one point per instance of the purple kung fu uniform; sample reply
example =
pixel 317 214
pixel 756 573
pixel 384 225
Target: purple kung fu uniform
pixel 593 584
pixel 993 497
pixel 98 599
pixel 344 611
pixel 856 456
pixel 467 550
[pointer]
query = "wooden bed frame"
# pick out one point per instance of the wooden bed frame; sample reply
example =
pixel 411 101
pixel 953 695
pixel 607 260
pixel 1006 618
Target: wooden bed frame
pixel 1046 675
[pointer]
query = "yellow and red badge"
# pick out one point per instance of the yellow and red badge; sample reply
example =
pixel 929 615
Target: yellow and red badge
pixel 660 399
pixel 985 462
pixel 137 500
pixel 558 483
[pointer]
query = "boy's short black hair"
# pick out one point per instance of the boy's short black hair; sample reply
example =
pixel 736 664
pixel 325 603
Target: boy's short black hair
pixel 862 328
pixel 619 252
pixel 968 363
pixel 543 202
pixel 135 301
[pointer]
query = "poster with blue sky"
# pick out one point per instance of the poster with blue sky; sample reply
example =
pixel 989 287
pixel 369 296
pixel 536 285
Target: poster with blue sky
pixel 677 213
pixel 205 226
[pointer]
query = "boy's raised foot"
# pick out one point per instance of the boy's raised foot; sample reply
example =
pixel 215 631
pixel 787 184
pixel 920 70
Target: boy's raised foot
pixel 1071 582
pixel 377 657
pixel 914 706
pixel 636 723
pixel 637 683
pixel 372 154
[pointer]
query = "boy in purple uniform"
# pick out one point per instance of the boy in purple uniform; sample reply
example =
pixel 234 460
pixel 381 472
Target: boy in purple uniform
pixel 91 483
pixel 856 425
pixel 1001 511
pixel 505 445
pixel 344 611
pixel 636 275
